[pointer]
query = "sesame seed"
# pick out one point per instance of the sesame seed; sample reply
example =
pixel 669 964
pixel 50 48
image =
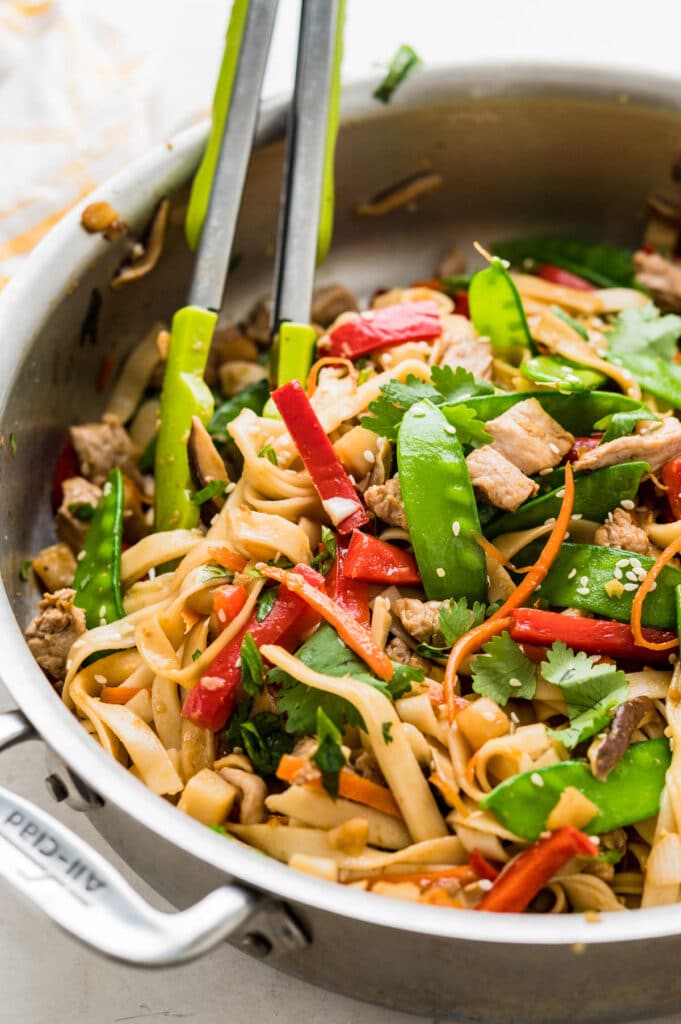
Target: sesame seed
pixel 623 563
pixel 583 591
pixel 627 503
pixel 631 586
pixel 102 680
pixel 631 576
pixel 583 580
pixel 515 683
pixel 440 572
pixel 617 574
pixel 229 488
pixel 653 586
pixel 456 528
pixel 449 429
pixel 572 574
pixel 536 779
pixel 221 615
pixel 545 472
pixel 577 515
pixel 514 718
pixel 387 359
pixel 554 448
pixel 369 456
pixel 485 884
pixel 550 521
pixel 560 493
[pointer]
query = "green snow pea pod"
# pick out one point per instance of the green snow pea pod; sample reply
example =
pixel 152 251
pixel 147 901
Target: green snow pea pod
pixel 577 412
pixel 561 374
pixel 497 312
pixel 607 266
pixel 440 506
pixel 580 573
pixel 596 494
pixel 185 394
pixel 98 577
pixel 655 376
pixel 630 793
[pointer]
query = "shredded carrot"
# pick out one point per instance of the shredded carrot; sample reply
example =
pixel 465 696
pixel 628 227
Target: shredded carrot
pixel 311 385
pixel 189 618
pixel 449 792
pixel 497 555
pixel 119 694
pixel 227 558
pixel 349 630
pixel 300 771
pixel 646 586
pixel 499 621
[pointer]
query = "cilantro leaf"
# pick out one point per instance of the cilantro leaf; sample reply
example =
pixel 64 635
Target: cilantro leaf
pixel 503 671
pixel 386 729
pixel 456 618
pixel 620 424
pixel 325 652
pixel 239 716
pixel 265 742
pixel 265 602
pixel 24 569
pixel 252 397
pixel 469 429
pixel 644 343
pixel 252 668
pixel 323 561
pixel 403 63
pixel 458 385
pixel 591 691
pixel 216 572
pixel 83 510
pixel 329 756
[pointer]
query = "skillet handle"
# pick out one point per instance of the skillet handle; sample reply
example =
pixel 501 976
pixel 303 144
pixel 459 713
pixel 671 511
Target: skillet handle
pixel 56 871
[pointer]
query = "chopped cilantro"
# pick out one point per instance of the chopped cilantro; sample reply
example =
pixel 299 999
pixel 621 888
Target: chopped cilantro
pixel 469 429
pixel 196 655
pixel 213 489
pixel 328 756
pixel 252 668
pixel 220 829
pixel 365 372
pixel 405 61
pixel 252 397
pixel 263 605
pixel 327 552
pixel 83 510
pixel 216 572
pixel 620 424
pixel 503 671
pixel 265 742
pixel 387 735
pixel 268 452
pixel 456 618
pixel 591 691
pixel 644 343
pixel 24 569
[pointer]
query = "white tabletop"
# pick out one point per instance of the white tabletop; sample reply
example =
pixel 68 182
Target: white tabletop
pixel 44 975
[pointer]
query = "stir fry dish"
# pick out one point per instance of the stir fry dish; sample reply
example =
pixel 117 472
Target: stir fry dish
pixel 409 624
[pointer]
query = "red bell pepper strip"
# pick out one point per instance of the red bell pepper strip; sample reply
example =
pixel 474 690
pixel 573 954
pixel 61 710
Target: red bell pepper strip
pixel 374 561
pixel 349 594
pixel 67 466
pixel 556 275
pixel 519 883
pixel 379 328
pixel 211 703
pixel 339 497
pixel 582 445
pixel 228 601
pixel 482 866
pixel 671 478
pixel 595 636
pixel 461 304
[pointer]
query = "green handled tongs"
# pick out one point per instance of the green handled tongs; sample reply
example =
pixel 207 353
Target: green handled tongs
pixel 304 229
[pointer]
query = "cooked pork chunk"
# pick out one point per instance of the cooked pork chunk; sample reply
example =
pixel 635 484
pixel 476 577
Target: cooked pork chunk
pixel 620 530
pixel 55 566
pixel 385 500
pixel 55 628
pixel 661 277
pixel 529 438
pixel 421 619
pixel 462 347
pixel 101 446
pixel 72 525
pixel 497 481
pixel 654 447
pixel 398 650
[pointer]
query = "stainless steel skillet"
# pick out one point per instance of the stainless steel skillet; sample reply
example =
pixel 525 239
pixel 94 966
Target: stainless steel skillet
pixel 520 149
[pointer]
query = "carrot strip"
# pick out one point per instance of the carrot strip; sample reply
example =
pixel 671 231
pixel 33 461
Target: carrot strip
pixel 118 694
pixel 646 586
pixel 499 621
pixel 299 771
pixel 498 556
pixel 311 384
pixel 349 630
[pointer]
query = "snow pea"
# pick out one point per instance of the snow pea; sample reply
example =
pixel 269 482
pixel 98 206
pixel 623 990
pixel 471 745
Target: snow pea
pixel 577 412
pixel 98 577
pixel 596 494
pixel 440 506
pixel 580 573
pixel 630 793
pixel 607 266
pixel 561 374
pixel 497 312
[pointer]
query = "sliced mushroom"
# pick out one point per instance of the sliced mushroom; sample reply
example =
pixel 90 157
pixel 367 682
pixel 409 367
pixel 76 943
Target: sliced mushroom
pixel 135 524
pixel 206 465
pixel 145 262
pixel 607 749
pixel 400 194
pixel 329 301
pixel 252 793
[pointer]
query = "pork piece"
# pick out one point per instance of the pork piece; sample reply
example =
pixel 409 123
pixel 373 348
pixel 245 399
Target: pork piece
pixel 661 277
pixel 462 347
pixel 102 446
pixel 398 650
pixel 529 438
pixel 259 322
pixel 421 619
pixel 78 493
pixel 385 500
pixel 329 301
pixel 368 767
pixel 654 447
pixel 55 566
pixel 55 628
pixel 497 481
pixel 620 530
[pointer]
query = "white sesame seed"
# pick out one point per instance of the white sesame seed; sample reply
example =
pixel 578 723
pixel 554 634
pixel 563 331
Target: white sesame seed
pixel 449 429
pixel 623 563
pixel 545 472
pixel 653 586
pixel 631 576
pixel 583 580
pixel 554 448
pixel 456 527
pixel 440 572
pixel 229 488
pixel 560 493
pixel 485 884
pixel 369 456
pixel 221 615
pixel 617 574
pixel 550 521
pixel 536 779
pixel 636 562
pixel 515 683
pixel 583 591
pixel 514 718
pixel 102 680
pixel 577 515
pixel 387 359
pixel 631 586
pixel 572 574
pixel 627 503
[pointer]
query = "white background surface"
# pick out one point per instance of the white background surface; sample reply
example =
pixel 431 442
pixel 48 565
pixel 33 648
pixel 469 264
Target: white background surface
pixel 174 47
